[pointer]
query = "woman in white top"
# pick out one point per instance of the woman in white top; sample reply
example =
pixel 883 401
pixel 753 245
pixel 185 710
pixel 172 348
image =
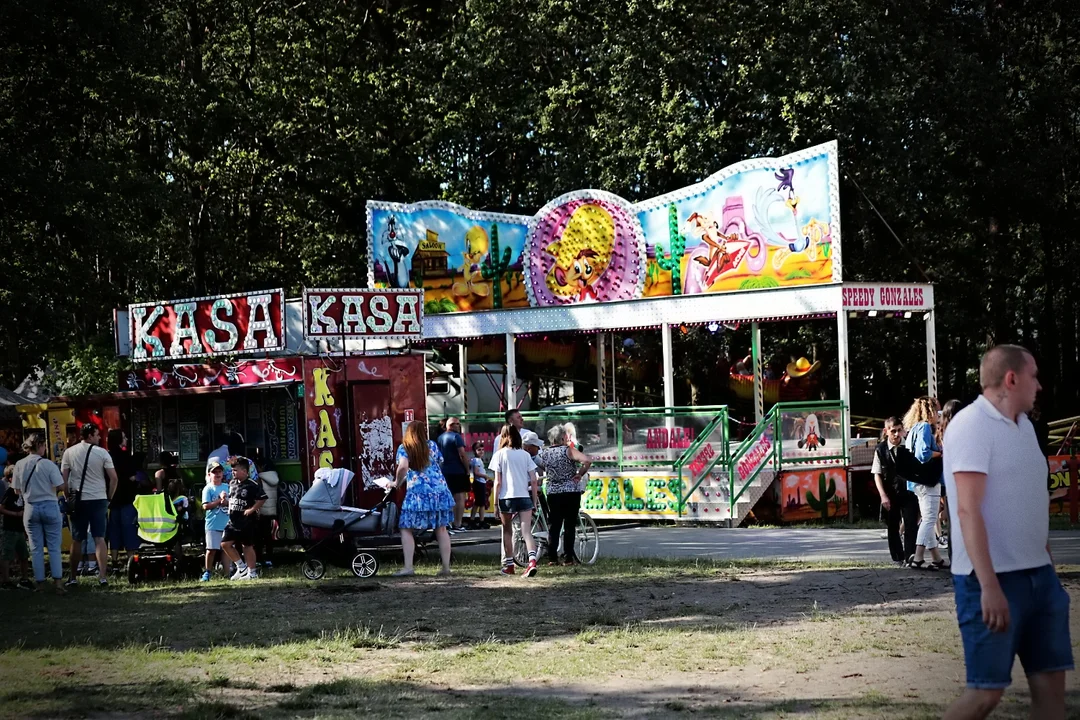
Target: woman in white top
pixel 515 494
pixel 36 479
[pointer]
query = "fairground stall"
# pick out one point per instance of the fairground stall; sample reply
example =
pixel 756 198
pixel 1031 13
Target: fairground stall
pixel 757 242
pixel 323 380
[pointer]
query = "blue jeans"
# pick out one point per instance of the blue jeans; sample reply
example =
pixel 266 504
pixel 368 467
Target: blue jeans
pixel 1038 629
pixel 43 526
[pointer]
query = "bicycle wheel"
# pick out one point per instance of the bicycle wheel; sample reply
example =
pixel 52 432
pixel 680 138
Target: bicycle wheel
pixel 540 534
pixel 587 541
pixel 521 553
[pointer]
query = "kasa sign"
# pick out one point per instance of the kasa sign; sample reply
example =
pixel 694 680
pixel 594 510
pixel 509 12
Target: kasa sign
pixel 217 325
pixel 356 313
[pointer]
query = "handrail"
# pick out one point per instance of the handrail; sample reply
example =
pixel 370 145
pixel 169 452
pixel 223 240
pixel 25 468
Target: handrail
pixel 752 441
pixel 695 447
pixel 659 411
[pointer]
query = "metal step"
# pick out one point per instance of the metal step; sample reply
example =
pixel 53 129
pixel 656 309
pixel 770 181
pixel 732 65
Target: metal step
pixel 710 501
pixel 753 493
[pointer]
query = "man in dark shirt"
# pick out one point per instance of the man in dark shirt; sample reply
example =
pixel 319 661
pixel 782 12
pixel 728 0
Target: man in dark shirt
pixel 245 498
pixel 14 547
pixel 455 469
pixel 900 505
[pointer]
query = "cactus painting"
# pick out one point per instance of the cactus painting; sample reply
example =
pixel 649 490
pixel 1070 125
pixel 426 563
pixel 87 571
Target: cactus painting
pixel 820 503
pixel 677 244
pixel 495 266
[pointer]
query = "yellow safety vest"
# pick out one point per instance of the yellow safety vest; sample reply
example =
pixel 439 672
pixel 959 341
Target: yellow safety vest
pixel 157 517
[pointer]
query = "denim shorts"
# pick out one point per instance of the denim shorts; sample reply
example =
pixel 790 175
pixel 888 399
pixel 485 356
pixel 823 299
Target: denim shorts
pixel 1038 627
pixel 89 514
pixel 515 505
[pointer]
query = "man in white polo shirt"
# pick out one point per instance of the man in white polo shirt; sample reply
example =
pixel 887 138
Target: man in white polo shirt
pixel 88 470
pixel 1009 601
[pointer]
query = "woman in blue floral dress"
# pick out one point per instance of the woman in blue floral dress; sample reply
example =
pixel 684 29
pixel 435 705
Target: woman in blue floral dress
pixel 428 502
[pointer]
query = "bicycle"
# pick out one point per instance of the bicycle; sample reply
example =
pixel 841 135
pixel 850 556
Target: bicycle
pixel 586 541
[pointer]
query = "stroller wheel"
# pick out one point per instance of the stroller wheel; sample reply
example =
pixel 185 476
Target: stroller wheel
pixel 132 571
pixel 313 568
pixel 364 565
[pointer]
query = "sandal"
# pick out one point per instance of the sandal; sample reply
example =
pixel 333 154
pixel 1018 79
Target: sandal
pixel 939 564
pixel 919 564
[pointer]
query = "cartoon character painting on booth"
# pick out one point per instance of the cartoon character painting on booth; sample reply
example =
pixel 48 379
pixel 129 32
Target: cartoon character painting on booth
pixel 582 254
pixel 812 438
pixel 762 224
pixel 476 249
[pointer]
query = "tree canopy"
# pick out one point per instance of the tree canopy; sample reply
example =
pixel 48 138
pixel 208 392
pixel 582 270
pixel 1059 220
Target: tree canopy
pixel 151 149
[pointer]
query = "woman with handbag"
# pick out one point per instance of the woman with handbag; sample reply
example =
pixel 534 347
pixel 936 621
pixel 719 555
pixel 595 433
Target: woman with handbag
pixel 36 480
pixel 565 466
pixel 920 422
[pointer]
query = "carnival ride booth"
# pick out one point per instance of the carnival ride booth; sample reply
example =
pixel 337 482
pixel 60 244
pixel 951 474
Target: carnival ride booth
pixel 757 242
pixel 332 384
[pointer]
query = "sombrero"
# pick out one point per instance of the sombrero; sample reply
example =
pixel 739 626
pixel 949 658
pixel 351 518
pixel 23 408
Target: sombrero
pixel 801 367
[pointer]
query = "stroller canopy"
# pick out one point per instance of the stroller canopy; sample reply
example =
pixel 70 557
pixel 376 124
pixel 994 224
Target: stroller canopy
pixel 327 489
pixel 321 505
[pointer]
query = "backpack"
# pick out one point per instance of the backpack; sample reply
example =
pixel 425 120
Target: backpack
pixel 927 474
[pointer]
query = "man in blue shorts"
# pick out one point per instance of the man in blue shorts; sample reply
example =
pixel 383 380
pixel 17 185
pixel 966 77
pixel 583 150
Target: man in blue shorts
pixel 1009 601
pixel 88 470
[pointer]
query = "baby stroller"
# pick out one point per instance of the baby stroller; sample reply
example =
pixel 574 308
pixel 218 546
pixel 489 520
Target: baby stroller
pixel 161 555
pixel 342 535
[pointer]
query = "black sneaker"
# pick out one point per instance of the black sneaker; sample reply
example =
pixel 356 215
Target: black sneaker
pixel 26 584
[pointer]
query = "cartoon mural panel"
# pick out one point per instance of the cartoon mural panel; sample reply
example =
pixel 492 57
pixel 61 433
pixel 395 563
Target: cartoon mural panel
pixel 763 223
pixel 464 259
pixel 818 494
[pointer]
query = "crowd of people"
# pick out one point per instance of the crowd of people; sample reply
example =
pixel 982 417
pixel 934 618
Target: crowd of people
pixel 908 473
pixel 94 491
pixel 436 475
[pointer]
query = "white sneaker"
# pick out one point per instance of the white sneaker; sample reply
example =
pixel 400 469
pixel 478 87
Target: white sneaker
pixel 242 575
pixel 252 574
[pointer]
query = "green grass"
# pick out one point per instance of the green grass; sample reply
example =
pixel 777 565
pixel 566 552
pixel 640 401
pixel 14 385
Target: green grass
pixel 584 642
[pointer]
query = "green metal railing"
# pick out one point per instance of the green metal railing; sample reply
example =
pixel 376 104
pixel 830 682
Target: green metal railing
pixel 691 441
pixel 758 451
pixel 622 438
pixel 694 465
pixel 790 435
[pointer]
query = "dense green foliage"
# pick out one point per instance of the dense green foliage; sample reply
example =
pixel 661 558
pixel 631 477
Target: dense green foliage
pixel 153 149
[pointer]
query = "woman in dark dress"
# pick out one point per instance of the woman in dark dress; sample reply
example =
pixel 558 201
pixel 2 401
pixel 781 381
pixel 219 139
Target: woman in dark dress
pixel 122 530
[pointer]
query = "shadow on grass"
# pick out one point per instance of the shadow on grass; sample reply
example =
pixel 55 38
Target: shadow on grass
pixel 355 697
pixel 383 612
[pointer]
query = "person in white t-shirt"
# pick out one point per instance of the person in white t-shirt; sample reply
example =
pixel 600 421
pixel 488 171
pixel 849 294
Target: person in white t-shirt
pixel 1009 600
pixel 516 491
pixel 88 470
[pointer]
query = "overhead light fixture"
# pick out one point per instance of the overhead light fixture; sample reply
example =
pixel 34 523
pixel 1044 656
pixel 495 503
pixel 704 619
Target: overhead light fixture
pixel 853 314
pixel 872 313
pixel 907 315
pixel 713 327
